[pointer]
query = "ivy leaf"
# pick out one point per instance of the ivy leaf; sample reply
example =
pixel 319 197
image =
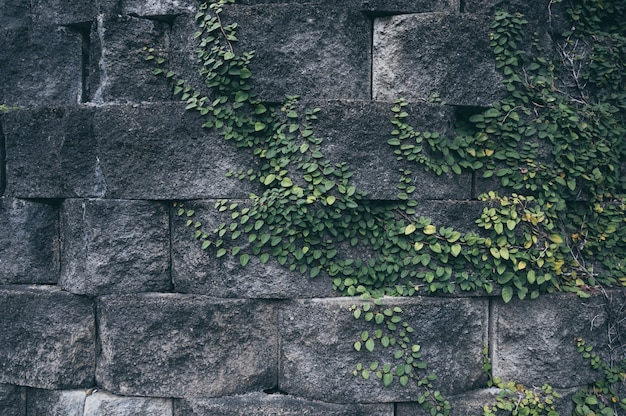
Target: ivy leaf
pixel 430 229
pixel 244 259
pixel 507 294
pixel 409 229
pixel 369 344
pixel 455 250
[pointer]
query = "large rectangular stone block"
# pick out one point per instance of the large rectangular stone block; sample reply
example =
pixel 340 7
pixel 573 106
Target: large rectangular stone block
pixel 534 342
pixel 47 338
pixel 318 356
pixel 63 12
pixel 261 404
pixel 57 402
pixel 418 55
pixel 29 242
pixel 51 153
pixel 157 151
pixel 199 271
pixel 114 246
pixel 119 71
pixel 41 65
pixel 299 49
pixel 171 345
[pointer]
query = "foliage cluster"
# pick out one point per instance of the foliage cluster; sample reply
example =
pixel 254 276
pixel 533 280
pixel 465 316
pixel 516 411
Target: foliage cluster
pixel 553 151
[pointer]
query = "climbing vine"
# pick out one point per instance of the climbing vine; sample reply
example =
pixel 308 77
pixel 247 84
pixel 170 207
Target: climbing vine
pixel 552 150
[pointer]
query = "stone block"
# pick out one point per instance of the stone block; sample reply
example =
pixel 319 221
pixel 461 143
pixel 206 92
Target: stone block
pixel 103 403
pixel 158 8
pixel 41 65
pixel 51 153
pixel 14 13
pixel 418 55
pixel 373 7
pixel 318 357
pixel 12 400
pixel 199 271
pixel 47 338
pixel 29 242
pixel 534 342
pixel 171 345
pixel 356 132
pixel 119 72
pixel 114 246
pixel 157 151
pixel 299 50
pixel 260 404
pixel 57 402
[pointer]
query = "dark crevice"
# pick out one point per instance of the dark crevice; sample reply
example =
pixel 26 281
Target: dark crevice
pixel 275 390
pixel 372 58
pixel 462 115
pixel 84 30
pixel 171 242
pixel 462 6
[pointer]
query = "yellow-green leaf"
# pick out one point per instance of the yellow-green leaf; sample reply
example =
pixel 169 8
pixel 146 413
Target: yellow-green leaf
pixel 409 229
pixel 430 229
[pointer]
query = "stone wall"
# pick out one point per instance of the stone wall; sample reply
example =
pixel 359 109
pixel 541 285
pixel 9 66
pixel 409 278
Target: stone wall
pixel 107 305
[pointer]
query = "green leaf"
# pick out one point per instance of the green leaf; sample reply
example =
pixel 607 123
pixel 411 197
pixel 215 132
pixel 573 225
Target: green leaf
pixel 369 344
pixel 244 259
pixel 387 379
pixel 507 294
pixel 221 252
pixel 455 250
pixel 409 229
pixel 258 126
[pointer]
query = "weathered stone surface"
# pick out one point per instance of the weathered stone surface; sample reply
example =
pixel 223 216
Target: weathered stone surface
pixel 120 72
pixel 29 242
pixel 114 246
pixel 3 160
pixel 299 50
pixel 418 55
pixel 534 342
pixel 356 132
pixel 12 400
pixel 160 152
pixel 318 356
pixel 199 271
pixel 57 402
pixel 260 404
pixel 63 12
pixel 14 13
pixel 40 66
pixel 171 345
pixel 539 11
pixel 102 403
pixel 47 338
pixel 51 153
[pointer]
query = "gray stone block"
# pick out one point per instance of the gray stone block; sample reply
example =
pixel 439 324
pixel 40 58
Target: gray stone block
pixel 114 246
pixel 63 12
pixel 102 403
pixel 299 50
pixel 356 132
pixel 47 338
pixel 418 55
pixel 169 345
pixel 158 8
pixel 199 271
pixel 157 151
pixel 57 402
pixel 12 400
pixel 14 13
pixel 317 355
pixel 119 71
pixel 29 242
pixel 260 404
pixel 534 342
pixel 41 65
pixel 51 153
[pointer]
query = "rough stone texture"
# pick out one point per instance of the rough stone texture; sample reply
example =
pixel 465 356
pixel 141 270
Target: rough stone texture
pixel 40 66
pixel 356 132
pixel 47 338
pixel 12 400
pixel 534 342
pixel 160 152
pixel 14 13
pixel 461 215
pixel 299 49
pixel 260 404
pixel 119 71
pixel 63 12
pixel 57 402
pixel 158 8
pixel 199 271
pixel 417 55
pixel 51 153
pixel 184 346
pixel 113 246
pixel 102 403
pixel 317 361
pixel 29 242
pixel 3 160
